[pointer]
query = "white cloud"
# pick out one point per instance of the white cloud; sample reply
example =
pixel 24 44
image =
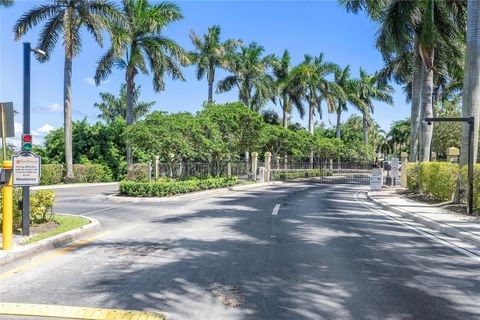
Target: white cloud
pixel 18 128
pixel 91 81
pixel 45 129
pixel 54 107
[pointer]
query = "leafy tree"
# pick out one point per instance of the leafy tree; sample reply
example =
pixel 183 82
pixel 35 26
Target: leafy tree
pixel 139 46
pixel 250 76
pixel 112 106
pixel 398 136
pixel 270 116
pixel 278 140
pixel 69 18
pixel 289 91
pixel 210 54
pixel 447 134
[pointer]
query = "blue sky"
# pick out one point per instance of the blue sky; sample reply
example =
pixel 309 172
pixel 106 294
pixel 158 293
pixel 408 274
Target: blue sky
pixel 302 27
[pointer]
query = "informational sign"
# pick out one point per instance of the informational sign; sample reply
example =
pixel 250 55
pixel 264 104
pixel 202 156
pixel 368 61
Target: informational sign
pixel 395 167
pixel 26 170
pixel 376 179
pixel 9 122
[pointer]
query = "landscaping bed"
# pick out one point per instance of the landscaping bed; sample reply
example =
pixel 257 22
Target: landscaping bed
pixel 169 187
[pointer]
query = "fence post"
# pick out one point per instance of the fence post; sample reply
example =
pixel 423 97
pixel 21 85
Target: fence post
pixel 311 159
pixel 156 167
pixel 403 176
pixel 254 165
pixel 247 161
pixel 453 154
pixel 434 156
pixel 268 159
pixel 331 165
pixel 149 171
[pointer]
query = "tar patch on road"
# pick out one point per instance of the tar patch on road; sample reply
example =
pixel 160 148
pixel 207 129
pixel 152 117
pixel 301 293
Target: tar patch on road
pixel 227 294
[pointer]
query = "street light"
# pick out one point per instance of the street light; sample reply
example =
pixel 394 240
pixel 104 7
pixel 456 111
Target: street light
pixel 27 50
pixel 470 121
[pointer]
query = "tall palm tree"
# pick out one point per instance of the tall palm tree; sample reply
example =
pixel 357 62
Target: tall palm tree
pixel 289 92
pixel 250 75
pixel 312 74
pixel 349 87
pixel 140 46
pixel 112 106
pixel 210 54
pixel 369 89
pixel 67 17
pixel 471 85
pixel 6 3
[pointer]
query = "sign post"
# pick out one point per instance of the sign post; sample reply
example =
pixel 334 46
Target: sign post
pixel 376 179
pixel 26 170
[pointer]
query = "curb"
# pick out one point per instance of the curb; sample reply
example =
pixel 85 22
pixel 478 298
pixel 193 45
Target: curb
pixel 194 195
pixel 444 228
pixel 59 240
pixel 73 185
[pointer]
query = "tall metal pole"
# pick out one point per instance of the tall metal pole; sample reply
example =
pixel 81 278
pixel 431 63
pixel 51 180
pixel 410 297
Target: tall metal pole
pixel 26 130
pixel 471 161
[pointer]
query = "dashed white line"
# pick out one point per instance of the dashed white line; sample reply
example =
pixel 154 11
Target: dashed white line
pixel 275 210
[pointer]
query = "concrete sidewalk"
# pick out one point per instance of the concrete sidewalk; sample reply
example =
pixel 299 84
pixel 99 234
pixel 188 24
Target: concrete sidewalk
pixel 454 224
pixel 74 185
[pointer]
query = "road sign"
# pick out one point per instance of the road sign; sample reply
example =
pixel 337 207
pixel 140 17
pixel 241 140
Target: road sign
pixel 9 123
pixel 26 170
pixel 376 179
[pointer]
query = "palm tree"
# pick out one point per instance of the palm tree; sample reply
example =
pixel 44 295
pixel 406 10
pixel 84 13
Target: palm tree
pixel 289 92
pixel 311 75
pixel 370 88
pixel 140 46
pixel 6 3
pixel 250 76
pixel 67 17
pixel 112 106
pixel 471 85
pixel 210 54
pixel 350 94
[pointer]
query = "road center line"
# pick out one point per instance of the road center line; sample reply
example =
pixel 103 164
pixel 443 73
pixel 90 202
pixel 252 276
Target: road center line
pixel 275 210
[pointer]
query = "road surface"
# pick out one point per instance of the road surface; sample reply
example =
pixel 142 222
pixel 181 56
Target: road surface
pixel 292 251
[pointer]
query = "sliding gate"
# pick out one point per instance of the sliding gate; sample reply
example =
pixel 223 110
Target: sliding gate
pixel 323 172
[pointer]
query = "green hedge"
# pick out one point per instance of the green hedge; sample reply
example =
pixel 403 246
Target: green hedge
pixel 168 188
pixel 301 174
pixel 436 179
pixel 476 184
pixel 41 206
pixel 412 177
pixel 83 173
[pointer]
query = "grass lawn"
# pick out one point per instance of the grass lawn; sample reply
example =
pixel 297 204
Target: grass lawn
pixel 65 223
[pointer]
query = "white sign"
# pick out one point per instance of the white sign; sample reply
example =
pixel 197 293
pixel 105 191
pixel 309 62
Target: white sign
pixel 26 170
pixel 376 179
pixel 394 170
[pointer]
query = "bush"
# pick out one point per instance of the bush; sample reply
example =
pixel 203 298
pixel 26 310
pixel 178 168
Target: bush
pixel 438 179
pixel 412 174
pixel 88 173
pixel 476 184
pixel 168 188
pixel 138 172
pixel 301 174
pixel 41 206
pixel 52 174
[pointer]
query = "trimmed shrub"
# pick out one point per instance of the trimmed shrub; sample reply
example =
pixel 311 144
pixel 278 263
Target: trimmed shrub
pixel 138 172
pixel 168 188
pixel 438 179
pixel 52 174
pixel 412 174
pixel 476 184
pixel 85 173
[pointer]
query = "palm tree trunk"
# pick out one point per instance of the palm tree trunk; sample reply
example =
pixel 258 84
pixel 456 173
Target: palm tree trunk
pixel 310 118
pixel 365 128
pixel 339 118
pixel 426 105
pixel 471 88
pixel 416 95
pixel 131 72
pixel 210 83
pixel 285 113
pixel 67 113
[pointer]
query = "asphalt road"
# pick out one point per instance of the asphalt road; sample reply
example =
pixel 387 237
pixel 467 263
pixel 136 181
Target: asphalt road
pixel 293 251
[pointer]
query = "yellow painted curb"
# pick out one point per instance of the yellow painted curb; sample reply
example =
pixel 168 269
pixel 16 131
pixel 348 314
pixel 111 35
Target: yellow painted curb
pixel 66 312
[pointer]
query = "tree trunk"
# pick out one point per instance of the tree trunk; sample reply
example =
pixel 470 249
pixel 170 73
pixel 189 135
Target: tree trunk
pixel 211 75
pixel 365 128
pixel 285 113
pixel 426 105
pixel 471 87
pixel 415 111
pixel 310 117
pixel 339 118
pixel 67 113
pixel 131 72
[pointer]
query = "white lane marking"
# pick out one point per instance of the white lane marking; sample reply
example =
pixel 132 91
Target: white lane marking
pixel 106 209
pixel 422 231
pixel 275 210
